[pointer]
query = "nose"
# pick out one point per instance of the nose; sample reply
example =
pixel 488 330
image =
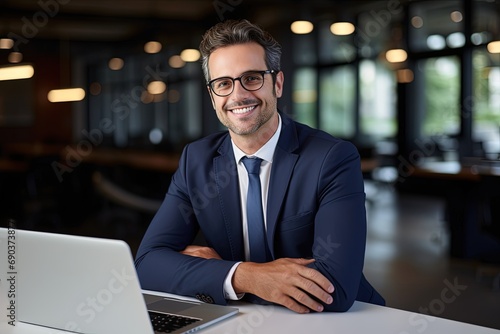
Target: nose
pixel 238 89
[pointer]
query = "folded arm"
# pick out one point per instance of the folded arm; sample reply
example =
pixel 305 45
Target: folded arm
pixel 162 263
pixel 330 280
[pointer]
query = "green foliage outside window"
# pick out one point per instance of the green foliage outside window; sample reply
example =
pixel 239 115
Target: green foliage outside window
pixel 442 96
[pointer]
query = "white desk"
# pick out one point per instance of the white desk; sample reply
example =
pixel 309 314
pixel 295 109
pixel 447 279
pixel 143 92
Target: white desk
pixel 361 318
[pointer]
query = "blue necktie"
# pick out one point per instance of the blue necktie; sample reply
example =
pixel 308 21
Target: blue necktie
pixel 255 216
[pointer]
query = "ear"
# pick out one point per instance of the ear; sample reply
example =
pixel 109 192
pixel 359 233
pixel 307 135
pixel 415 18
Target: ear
pixel 278 86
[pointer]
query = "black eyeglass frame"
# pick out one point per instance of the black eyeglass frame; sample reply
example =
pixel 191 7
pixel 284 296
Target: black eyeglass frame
pixel 209 84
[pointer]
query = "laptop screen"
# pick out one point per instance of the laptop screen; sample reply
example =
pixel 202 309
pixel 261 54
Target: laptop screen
pixel 89 285
pixel 77 284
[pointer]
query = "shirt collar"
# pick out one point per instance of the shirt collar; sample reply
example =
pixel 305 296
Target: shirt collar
pixel 266 152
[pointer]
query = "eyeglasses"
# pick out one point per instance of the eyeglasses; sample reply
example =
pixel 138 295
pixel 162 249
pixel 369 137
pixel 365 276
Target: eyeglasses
pixel 251 81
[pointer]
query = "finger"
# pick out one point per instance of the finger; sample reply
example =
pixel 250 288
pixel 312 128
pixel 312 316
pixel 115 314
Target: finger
pixel 304 298
pixel 292 304
pixel 311 283
pixel 311 295
pixel 310 292
pixel 302 262
pixel 318 278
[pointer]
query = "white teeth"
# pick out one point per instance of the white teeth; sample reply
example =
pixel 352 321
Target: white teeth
pixel 242 110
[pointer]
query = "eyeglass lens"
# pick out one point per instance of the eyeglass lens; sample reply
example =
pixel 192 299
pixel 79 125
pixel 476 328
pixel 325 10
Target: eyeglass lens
pixel 250 81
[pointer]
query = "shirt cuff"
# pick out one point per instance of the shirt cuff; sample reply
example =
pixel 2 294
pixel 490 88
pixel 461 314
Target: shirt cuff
pixel 229 292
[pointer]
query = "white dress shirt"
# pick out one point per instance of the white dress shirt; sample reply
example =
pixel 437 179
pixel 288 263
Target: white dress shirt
pixel 266 153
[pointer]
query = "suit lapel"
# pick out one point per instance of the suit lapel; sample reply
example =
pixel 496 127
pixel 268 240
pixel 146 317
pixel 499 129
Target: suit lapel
pixel 283 164
pixel 226 178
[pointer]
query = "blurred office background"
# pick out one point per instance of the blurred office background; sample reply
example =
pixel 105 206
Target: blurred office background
pixel 415 85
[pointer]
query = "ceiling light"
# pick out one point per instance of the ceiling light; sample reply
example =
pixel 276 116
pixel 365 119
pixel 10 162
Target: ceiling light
pixel 396 55
pixel 156 87
pixel 190 55
pixel 6 43
pixel 66 95
pixel 456 16
pixel 116 64
pixel 176 62
pixel 301 27
pixel 15 57
pixel 417 22
pixel 342 28
pixel 152 47
pixel 16 72
pixel 405 75
pixel 493 47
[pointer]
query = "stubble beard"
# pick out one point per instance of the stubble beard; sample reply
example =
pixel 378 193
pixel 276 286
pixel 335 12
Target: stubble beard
pixel 245 131
pixel 262 118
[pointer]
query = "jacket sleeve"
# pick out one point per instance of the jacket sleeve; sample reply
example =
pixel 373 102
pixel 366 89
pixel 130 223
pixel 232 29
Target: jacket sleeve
pixel 340 224
pixel 159 264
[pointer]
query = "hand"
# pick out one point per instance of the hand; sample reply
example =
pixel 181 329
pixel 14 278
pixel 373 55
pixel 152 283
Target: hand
pixel 201 251
pixel 287 282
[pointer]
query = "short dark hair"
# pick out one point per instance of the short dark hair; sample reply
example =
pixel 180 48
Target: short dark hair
pixel 233 32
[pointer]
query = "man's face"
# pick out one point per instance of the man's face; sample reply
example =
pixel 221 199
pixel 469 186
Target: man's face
pixel 244 112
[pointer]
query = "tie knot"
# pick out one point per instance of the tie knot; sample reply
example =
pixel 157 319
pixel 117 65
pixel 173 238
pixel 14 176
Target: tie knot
pixel 252 164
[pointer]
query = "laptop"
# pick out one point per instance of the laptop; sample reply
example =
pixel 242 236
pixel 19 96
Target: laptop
pixel 89 285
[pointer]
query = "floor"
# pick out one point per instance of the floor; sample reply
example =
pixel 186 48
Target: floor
pixel 407 261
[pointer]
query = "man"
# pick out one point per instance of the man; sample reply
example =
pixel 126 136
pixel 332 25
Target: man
pixel 313 226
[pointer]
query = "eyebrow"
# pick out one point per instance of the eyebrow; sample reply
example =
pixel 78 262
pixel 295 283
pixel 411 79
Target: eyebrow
pixel 228 76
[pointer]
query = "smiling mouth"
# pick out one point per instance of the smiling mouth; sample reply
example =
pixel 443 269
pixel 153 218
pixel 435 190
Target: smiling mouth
pixel 240 111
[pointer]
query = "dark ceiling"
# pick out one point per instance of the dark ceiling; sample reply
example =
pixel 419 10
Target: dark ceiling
pixel 98 20
pixel 115 20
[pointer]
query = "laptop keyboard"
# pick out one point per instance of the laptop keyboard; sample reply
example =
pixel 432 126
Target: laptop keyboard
pixel 168 323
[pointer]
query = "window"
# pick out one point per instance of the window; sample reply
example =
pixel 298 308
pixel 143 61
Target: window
pixel 121 106
pixel 377 100
pixel 337 101
pixel 441 110
pixel 486 78
pixel 351 92
pixel 305 96
pixel 486 102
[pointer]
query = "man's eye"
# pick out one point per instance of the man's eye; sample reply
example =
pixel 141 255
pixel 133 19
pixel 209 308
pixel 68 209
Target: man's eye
pixel 223 84
pixel 252 78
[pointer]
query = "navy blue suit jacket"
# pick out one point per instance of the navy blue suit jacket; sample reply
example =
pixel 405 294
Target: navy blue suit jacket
pixel 316 208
